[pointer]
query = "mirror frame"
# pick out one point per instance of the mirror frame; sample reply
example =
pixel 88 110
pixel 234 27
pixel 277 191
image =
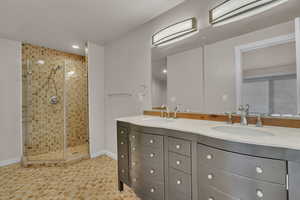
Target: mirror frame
pixel 239 50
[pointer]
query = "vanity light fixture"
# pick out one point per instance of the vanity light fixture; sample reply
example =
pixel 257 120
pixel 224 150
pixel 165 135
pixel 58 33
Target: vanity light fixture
pixel 75 46
pixel 175 32
pixel 233 10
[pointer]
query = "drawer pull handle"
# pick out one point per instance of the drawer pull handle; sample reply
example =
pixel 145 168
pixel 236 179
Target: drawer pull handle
pixel 259 170
pixel 211 198
pixel 152 171
pixel 178 162
pixel 122 143
pixel 122 132
pixel 122 156
pixel 209 157
pixel 133 163
pixel 151 141
pixel 123 171
pixel 178 182
pixel 152 190
pixel 178 146
pixel 133 136
pixel 152 155
pixel 210 176
pixel 133 148
pixel 259 193
pixel 134 180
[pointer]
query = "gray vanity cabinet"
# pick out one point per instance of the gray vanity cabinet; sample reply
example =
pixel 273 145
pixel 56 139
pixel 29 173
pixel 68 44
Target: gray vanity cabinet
pixel 146 165
pixel 160 164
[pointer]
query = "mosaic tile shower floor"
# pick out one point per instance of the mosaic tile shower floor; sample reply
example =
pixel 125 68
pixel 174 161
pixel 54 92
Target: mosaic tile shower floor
pixel 93 179
pixel 71 153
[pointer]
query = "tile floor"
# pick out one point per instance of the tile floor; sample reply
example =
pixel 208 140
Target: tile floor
pixel 93 179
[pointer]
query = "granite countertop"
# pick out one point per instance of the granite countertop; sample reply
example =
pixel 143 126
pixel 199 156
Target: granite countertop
pixel 280 137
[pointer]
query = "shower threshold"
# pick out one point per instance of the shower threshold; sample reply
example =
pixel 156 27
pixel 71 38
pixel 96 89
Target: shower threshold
pixel 72 154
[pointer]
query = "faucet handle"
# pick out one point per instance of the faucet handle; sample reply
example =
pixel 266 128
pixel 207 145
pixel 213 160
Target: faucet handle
pixel 229 117
pixel 177 108
pixel 247 107
pixel 259 120
pixel 241 108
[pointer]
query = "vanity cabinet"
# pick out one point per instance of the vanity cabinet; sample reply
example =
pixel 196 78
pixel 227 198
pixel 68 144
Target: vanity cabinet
pixel 160 164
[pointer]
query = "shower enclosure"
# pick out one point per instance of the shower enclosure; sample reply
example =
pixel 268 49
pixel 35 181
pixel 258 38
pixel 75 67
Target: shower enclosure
pixel 55 106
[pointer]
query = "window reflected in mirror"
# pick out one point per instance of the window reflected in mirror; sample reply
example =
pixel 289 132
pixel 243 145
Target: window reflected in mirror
pixel 270 79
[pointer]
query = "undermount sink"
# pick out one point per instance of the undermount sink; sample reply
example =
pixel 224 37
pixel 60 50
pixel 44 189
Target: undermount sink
pixel 241 131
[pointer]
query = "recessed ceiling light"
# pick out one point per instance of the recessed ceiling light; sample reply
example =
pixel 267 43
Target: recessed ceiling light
pixel 165 71
pixel 75 46
pixel 70 73
pixel 40 62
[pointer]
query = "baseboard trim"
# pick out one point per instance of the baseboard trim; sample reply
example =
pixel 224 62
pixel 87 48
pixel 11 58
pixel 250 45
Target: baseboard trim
pixel 111 155
pixel 9 162
pixel 107 153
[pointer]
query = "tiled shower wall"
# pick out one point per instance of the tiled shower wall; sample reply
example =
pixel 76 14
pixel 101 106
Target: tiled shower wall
pixel 47 127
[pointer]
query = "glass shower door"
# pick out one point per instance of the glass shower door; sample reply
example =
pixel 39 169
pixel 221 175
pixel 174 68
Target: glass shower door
pixel 43 109
pixel 76 108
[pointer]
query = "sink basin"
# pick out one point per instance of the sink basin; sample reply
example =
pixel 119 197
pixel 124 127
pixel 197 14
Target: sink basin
pixel 241 131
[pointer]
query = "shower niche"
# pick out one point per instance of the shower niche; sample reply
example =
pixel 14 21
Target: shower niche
pixel 55 106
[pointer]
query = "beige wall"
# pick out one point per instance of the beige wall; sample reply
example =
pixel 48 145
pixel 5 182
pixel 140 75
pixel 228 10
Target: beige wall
pixel 10 102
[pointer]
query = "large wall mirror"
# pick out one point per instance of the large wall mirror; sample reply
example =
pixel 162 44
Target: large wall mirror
pixel 215 73
pixel 267 76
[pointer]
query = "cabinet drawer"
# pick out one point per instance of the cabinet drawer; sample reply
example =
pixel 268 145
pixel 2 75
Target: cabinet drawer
pixel 122 131
pixel 179 183
pixel 148 190
pixel 154 141
pixel 148 155
pixel 180 146
pixel 123 144
pixel 150 172
pixel 180 162
pixel 148 140
pixel 253 167
pixel 207 192
pixel 123 171
pixel 238 186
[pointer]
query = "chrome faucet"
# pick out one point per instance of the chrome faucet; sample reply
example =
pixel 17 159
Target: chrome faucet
pixel 244 114
pixel 176 110
pixel 162 107
pixel 167 113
